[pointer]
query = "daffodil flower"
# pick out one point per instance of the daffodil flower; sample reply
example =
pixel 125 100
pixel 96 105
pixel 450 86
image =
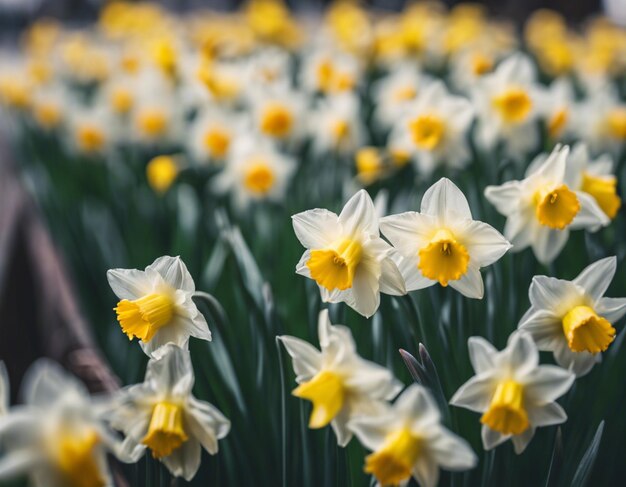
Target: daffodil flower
pixel 408 440
pixel 513 392
pixel 340 384
pixel 443 243
pixel 162 415
pixel 336 125
pixel 346 257
pixel 573 319
pixel 543 208
pixel 156 305
pixel 57 437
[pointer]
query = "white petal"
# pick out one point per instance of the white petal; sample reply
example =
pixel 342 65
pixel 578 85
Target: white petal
pixel 372 380
pixel 544 326
pixel 546 415
pixel 484 243
pixel 46 382
pixel 596 278
pixel 520 230
pixel 481 354
pixel 372 430
pixel 339 425
pixel 174 272
pixel 520 442
pixel 359 215
pixel 129 284
pixel 452 452
pixel 492 438
pixel 590 216
pixel 408 232
pixel 471 284
pixel 548 243
pixel 307 360
pixel 580 363
pixel 475 394
pixel 547 383
pixel 413 278
pixel 16 463
pixel 365 290
pixel 445 201
pixel 416 404
pixel 550 293
pixel 316 229
pixel 611 308
pixel 505 197
pixel 184 461
pixel 553 169
pixel 391 280
pixel 426 472
pixel 172 373
pixel 206 423
pixel 521 354
pixel 175 334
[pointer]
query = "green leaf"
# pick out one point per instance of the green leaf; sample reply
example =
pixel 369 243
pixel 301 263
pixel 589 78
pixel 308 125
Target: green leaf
pixel 586 463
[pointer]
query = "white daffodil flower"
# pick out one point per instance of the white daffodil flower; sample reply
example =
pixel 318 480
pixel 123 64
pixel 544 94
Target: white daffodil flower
pixel 156 118
pixel 213 134
pixel 336 125
pixel 408 440
pixel 443 243
pixel 162 415
pixel 330 72
pixel 543 208
pixel 515 394
pixel 268 67
pixel 346 257
pixel 396 91
pixel 573 319
pixel 507 107
pixel 278 113
pixel 436 124
pixel 340 384
pixel 601 121
pixel 468 67
pixel 91 130
pixel 48 107
pixel 156 305
pixel 57 438
pixel 594 177
pixel 255 171
pixel 558 108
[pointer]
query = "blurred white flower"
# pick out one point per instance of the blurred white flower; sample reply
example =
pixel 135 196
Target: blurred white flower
pixel 267 68
pixel 161 414
pixel 156 118
pixel 57 438
pixel 330 72
pixel 340 384
pixel 469 66
pixel 573 319
pixel 91 130
pixel 443 243
pixel 255 171
pixel 336 125
pixel 507 105
pixel 156 305
pixel 345 255
pixel 436 124
pixel 515 394
pixel 601 121
pixel 558 109
pixel 49 107
pixel 278 113
pixel 394 93
pixel 408 440
pixel 543 208
pixel 213 133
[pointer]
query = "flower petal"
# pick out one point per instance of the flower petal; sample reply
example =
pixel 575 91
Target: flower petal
pixel 492 438
pixel 359 215
pixel 445 201
pixel 307 360
pixel 505 197
pixel 426 472
pixel 316 229
pixel 520 442
pixel 174 272
pixel 475 394
pixel 129 284
pixel 172 373
pixel 452 452
pixel 596 278
pixel 484 243
pixel 408 232
pixel 207 423
pixel 547 383
pixel 611 308
pixel 520 354
pixel 546 415
pixel 481 354
pixel 471 284
pixel 548 243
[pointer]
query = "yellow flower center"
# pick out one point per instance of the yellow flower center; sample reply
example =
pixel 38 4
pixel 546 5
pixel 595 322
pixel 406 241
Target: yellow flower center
pixel 276 120
pixel 166 432
pixel 506 412
pixel 143 317
pixel 481 64
pixel 90 138
pixel 161 172
pixel 15 93
pixel 557 123
pixel 76 460
pixel 327 393
pixel 341 130
pixel 165 56
pixel 604 191
pixel 152 122
pixel 259 178
pixel 122 101
pixel 394 461
pixel 616 122
pixel 399 157
pixel 586 331
pixel 443 259
pixel 325 74
pixel 47 115
pixel 514 105
pixel 427 131
pixel 556 208
pixel 217 141
pixel 335 268
pixel 404 93
pixel 130 63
